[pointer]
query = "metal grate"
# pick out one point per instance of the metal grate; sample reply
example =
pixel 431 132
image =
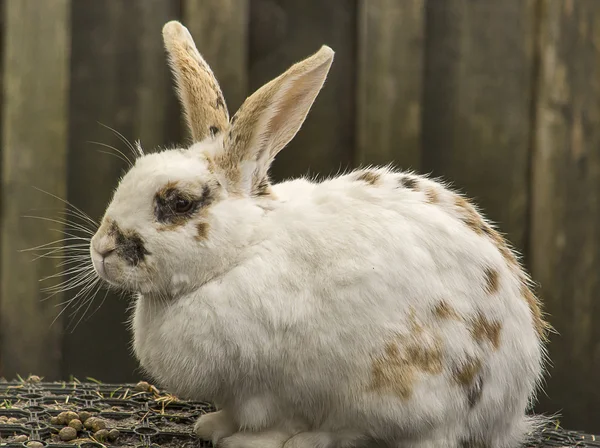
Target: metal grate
pixel 34 414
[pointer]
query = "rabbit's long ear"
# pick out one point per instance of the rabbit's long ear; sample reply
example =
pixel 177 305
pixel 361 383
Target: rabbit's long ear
pixel 268 120
pixel 198 89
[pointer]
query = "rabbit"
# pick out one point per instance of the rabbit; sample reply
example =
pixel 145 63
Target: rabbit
pixel 377 307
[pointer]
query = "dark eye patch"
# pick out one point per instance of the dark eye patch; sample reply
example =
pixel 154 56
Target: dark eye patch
pixel 129 246
pixel 175 207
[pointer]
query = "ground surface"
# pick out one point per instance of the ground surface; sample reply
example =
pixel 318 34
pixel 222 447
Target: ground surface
pixel 88 414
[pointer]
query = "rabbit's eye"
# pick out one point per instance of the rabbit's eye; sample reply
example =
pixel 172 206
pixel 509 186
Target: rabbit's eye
pixel 182 205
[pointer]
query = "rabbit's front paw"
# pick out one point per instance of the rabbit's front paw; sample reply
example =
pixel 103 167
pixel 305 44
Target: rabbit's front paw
pixel 214 426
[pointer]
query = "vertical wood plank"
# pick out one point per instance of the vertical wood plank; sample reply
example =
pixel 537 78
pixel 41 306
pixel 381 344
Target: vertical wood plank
pixel 34 142
pixel 565 225
pixel 390 73
pixel 220 30
pixel 477 103
pixel 283 32
pixel 121 79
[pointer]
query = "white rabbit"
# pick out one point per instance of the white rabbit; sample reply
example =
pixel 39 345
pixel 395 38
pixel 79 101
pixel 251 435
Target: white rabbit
pixel 376 307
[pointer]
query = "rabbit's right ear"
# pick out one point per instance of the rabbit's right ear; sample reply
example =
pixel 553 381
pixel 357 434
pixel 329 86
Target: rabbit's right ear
pixel 268 120
pixel 198 89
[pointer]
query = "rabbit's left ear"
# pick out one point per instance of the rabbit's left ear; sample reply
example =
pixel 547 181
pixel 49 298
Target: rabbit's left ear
pixel 198 89
pixel 268 120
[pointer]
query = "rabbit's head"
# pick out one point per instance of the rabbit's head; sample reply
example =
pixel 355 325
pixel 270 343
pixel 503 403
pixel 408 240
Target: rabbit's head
pixel 181 217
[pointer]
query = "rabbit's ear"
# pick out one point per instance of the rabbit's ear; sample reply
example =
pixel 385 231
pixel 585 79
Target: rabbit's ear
pixel 269 119
pixel 198 89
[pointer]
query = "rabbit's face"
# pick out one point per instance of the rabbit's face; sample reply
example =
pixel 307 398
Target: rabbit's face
pixel 180 218
pixel 156 229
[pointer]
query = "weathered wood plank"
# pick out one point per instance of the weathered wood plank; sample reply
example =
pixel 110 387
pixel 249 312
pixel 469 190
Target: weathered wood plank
pixel 390 73
pixel 283 32
pixel 119 78
pixel 477 100
pixel 34 142
pixel 220 30
pixel 565 224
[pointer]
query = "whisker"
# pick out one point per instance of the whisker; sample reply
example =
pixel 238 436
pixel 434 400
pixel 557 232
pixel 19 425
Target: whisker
pixel 99 306
pixel 121 136
pixel 125 158
pixel 70 301
pixel 70 283
pixel 89 303
pixel 69 215
pixel 71 270
pixel 113 154
pixel 68 224
pixel 45 245
pixel 83 214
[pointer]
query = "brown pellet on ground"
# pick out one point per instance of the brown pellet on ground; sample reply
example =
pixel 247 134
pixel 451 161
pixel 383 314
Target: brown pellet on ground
pixel 76 424
pixel 101 435
pixel 113 435
pixel 84 415
pixel 67 434
pixel 65 417
pixel 142 386
pixel 35 444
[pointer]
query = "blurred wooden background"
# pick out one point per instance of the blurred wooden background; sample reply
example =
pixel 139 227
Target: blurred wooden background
pixel 502 98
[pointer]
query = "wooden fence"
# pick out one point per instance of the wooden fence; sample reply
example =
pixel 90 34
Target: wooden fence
pixel 500 97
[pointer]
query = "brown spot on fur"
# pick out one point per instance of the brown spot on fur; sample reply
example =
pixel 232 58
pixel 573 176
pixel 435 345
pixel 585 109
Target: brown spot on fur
pixel 391 372
pixel 403 359
pixel 475 222
pixel 164 191
pixel 541 326
pixel 492 280
pixel 408 182
pixel 202 229
pixel 466 373
pixel 369 177
pixel 444 311
pixel 469 216
pixel 484 329
pixel 432 195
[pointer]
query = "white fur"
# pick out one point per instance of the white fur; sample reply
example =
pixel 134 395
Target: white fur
pixel 278 315
pixel 289 305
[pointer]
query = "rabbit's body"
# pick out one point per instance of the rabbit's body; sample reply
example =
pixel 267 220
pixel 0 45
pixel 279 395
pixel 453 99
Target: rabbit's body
pixel 347 310
pixel 374 306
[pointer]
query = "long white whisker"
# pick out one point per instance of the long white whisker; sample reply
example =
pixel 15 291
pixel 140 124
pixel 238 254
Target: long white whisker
pixel 68 224
pixel 45 245
pixel 114 155
pixel 83 214
pixel 89 303
pixel 124 157
pixel 71 270
pixel 121 137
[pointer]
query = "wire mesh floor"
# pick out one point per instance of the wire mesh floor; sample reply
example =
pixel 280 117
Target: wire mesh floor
pixel 36 414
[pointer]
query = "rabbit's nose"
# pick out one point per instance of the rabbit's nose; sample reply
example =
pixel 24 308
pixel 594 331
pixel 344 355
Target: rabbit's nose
pixel 103 247
pixel 105 253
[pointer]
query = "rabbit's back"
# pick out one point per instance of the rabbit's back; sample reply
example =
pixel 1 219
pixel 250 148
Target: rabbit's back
pixel 399 290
